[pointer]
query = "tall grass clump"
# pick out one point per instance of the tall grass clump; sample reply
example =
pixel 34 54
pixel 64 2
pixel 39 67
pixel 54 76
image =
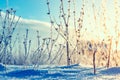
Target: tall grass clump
pixel 8 25
pixel 66 12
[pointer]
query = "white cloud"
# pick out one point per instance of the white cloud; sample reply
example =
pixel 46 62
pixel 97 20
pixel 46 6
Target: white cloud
pixel 30 21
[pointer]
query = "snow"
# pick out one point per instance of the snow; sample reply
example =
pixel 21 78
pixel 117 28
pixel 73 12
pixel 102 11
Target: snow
pixel 2 68
pixel 72 72
pixel 111 71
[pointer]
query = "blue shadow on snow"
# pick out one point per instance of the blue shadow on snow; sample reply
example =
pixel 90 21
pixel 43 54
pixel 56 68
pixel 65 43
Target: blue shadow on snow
pixel 25 73
pixel 111 71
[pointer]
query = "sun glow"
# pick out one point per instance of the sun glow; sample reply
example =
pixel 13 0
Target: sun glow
pixel 102 21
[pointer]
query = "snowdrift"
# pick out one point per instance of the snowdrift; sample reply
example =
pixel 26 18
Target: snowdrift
pixel 2 67
pixel 72 72
pixel 111 71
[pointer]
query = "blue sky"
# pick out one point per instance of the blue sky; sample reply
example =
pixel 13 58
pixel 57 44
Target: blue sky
pixel 30 9
pixel 33 9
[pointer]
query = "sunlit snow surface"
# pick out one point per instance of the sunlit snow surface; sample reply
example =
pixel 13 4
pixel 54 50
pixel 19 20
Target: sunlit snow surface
pixel 73 72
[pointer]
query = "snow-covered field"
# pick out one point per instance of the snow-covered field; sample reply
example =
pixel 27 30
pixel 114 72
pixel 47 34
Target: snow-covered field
pixel 73 72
